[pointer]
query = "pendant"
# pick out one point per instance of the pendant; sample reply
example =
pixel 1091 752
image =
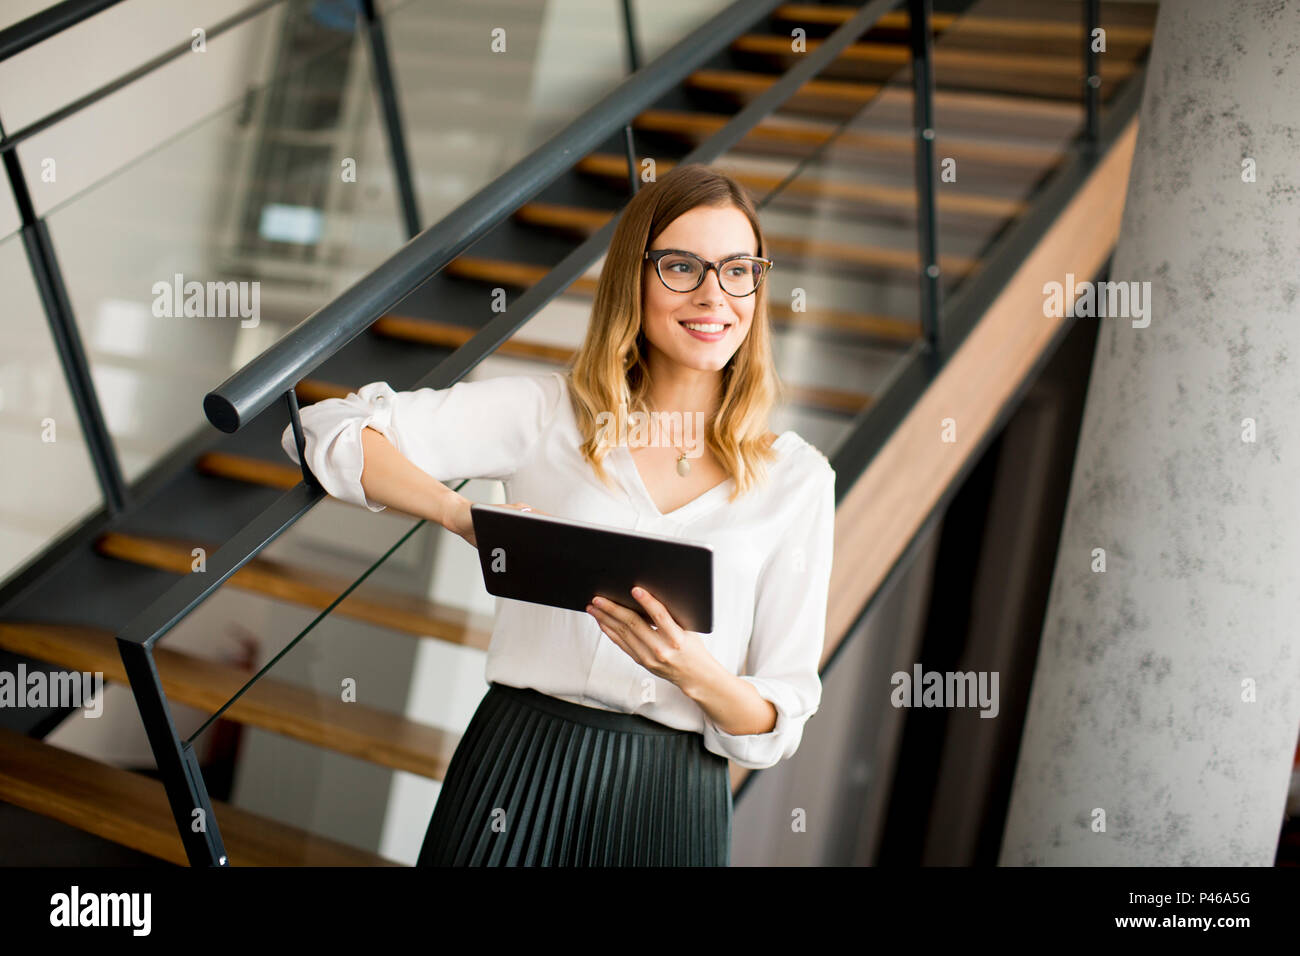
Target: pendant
pixel 683 466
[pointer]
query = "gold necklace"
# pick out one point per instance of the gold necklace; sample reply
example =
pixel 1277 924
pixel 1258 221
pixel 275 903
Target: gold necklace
pixel 683 466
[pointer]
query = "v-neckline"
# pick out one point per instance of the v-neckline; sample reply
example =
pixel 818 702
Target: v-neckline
pixel 696 504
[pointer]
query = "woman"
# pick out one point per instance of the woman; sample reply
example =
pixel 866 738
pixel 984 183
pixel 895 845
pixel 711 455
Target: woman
pixel 604 739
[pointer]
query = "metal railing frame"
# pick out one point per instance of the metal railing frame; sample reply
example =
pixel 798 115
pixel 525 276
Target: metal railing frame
pixel 41 256
pixel 44 264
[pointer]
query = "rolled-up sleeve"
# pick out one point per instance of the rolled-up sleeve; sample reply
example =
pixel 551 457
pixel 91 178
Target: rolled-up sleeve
pixel 481 429
pixel 789 631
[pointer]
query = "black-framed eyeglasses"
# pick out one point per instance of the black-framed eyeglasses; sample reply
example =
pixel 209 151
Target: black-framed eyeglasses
pixel 682 271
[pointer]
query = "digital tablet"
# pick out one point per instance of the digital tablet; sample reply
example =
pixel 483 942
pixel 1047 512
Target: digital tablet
pixel 562 563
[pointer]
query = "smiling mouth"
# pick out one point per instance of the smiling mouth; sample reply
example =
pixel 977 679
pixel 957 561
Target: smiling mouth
pixel 706 328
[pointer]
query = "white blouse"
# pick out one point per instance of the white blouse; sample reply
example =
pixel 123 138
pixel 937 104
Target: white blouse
pixel 772 547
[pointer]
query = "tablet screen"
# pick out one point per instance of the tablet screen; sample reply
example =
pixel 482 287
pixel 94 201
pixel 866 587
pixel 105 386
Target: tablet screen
pixel 560 562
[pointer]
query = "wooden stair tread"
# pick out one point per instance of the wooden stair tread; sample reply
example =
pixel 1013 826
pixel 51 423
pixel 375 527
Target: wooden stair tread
pixel 995 27
pixel 400 612
pixel 853 95
pixel 446 335
pixel 132 810
pixel 745 81
pixel 812 135
pixel 868 194
pixel 883 328
pixel 519 274
pixel 255 471
pixel 1009 71
pixel 324 720
pixel 578 219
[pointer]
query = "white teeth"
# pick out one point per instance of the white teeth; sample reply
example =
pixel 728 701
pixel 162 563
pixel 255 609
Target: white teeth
pixel 702 327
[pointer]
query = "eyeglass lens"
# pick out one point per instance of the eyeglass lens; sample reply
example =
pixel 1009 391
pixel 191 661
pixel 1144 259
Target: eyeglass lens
pixel 683 273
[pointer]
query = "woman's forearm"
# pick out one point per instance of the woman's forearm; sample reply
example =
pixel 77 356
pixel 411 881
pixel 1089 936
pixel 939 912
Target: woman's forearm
pixel 389 478
pixel 734 705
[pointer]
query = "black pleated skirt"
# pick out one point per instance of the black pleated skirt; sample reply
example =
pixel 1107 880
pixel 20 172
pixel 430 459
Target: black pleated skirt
pixel 540 781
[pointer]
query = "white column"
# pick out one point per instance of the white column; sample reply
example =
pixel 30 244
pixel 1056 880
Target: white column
pixel 1167 691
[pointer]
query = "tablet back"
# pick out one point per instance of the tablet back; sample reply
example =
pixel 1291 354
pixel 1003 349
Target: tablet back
pixel 563 563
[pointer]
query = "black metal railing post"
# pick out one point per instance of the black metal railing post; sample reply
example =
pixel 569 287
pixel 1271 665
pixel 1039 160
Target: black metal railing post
pixel 300 439
pixel 67 339
pixel 178 765
pixel 923 121
pixel 1092 75
pixel 633 64
pixel 387 88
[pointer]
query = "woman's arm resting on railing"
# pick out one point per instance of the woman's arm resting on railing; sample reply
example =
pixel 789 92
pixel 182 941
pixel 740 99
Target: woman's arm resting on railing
pixel 378 447
pixel 389 478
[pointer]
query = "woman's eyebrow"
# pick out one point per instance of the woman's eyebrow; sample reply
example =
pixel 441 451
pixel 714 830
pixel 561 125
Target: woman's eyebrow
pixel 729 255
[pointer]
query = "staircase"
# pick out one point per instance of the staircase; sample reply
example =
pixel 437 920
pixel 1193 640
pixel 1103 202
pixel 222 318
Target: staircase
pixel 833 170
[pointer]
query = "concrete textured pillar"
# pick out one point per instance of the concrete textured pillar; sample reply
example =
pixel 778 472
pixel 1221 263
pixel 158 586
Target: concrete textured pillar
pixel 1140 705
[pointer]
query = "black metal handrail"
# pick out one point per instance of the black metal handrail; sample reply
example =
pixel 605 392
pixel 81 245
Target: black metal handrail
pixel 277 371
pixel 39 27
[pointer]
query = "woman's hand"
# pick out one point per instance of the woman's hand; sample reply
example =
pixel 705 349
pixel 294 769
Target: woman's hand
pixel 662 648
pixel 458 519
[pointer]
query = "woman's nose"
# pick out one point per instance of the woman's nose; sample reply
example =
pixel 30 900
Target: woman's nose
pixel 710 290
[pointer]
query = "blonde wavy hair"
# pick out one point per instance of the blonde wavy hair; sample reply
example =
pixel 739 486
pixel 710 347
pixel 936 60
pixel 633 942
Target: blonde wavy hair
pixel 610 370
